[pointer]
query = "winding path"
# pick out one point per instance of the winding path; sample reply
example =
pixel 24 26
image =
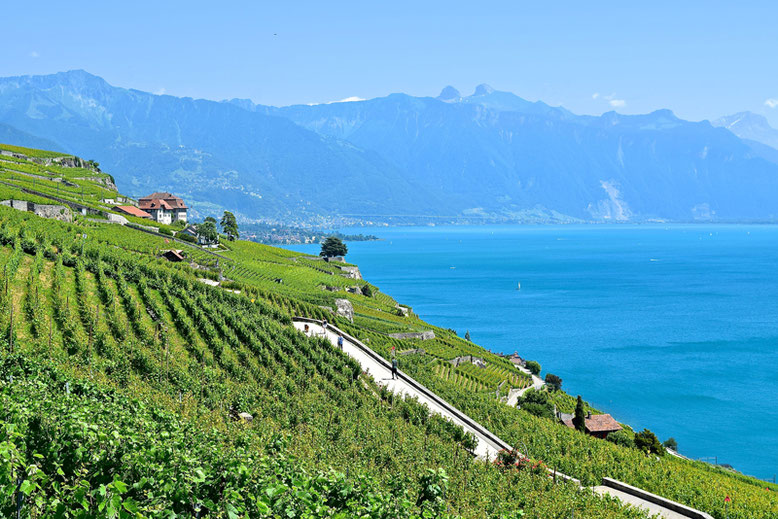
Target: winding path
pixel 488 444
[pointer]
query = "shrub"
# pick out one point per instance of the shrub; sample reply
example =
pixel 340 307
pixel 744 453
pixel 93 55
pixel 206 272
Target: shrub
pixel 553 381
pixel 533 367
pixel 647 442
pixel 186 237
pixel 165 231
pixel 367 291
pixel 536 403
pixel 670 443
pixel 621 438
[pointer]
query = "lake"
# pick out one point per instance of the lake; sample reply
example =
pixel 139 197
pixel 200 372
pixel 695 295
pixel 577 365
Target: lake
pixel 670 327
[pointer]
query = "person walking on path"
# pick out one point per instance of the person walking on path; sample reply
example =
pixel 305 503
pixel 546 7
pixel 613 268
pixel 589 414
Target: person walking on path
pixel 340 341
pixel 324 325
pixel 394 368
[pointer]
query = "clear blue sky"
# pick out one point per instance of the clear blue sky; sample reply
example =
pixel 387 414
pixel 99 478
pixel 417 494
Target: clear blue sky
pixel 700 59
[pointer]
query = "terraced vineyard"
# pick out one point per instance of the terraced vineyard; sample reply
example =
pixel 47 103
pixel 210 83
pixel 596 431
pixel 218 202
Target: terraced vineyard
pixel 122 377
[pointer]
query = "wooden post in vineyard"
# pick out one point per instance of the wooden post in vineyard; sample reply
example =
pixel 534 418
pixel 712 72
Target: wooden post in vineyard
pixel 11 329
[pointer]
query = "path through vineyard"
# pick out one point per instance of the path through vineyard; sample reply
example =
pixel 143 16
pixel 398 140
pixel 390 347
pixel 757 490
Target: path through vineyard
pixel 488 443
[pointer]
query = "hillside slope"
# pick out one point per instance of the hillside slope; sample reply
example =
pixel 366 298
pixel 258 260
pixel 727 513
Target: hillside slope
pixel 122 376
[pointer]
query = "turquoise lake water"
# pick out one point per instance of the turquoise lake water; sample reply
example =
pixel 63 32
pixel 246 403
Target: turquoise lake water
pixel 674 328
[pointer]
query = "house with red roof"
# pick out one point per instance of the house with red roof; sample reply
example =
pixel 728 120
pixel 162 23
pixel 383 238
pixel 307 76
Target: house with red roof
pixel 163 207
pixel 598 425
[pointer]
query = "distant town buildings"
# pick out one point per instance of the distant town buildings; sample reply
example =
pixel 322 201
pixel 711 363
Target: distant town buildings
pixel 163 207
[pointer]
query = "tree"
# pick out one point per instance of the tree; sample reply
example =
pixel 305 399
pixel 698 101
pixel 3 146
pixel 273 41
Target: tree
pixel 230 225
pixel 647 442
pixel 579 420
pixel 208 231
pixel 332 247
pixel 670 443
pixel 533 367
pixel 467 335
pixel 554 381
pixel 210 219
pixel 537 403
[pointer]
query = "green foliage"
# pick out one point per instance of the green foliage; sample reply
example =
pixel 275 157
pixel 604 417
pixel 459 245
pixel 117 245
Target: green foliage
pixel 332 247
pixel 670 443
pixel 186 237
pixel 208 231
pixel 621 438
pixel 467 335
pixel 554 382
pixel 536 403
pixel 647 442
pixel 230 225
pixel 533 367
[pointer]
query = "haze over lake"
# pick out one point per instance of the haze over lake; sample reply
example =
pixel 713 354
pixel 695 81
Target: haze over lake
pixel 674 328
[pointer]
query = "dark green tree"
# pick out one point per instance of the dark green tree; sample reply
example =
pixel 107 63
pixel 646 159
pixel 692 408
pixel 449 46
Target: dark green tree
pixel 230 225
pixel 647 441
pixel 332 247
pixel 553 381
pixel 210 219
pixel 670 443
pixel 467 335
pixel 579 420
pixel 208 231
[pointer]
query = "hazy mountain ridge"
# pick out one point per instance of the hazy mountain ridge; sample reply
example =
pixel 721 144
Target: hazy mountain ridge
pixel 612 167
pixel 218 155
pixel 491 154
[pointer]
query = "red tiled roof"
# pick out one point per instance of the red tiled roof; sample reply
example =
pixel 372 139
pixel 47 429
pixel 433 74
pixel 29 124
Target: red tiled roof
pixel 172 200
pixel 157 203
pixel 602 423
pixel 132 210
pixel 594 424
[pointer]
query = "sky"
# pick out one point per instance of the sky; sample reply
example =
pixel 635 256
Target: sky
pixel 699 59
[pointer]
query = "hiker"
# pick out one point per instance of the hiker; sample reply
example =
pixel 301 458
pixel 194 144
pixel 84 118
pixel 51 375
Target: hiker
pixel 394 368
pixel 340 341
pixel 307 331
pixel 324 324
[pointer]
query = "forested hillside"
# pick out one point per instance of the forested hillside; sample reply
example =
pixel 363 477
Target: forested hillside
pixel 127 381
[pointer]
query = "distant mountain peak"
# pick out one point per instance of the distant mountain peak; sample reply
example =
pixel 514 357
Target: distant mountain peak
pixel 751 126
pixel 482 90
pixel 449 93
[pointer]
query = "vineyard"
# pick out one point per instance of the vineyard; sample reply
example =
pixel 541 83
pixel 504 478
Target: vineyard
pixel 125 382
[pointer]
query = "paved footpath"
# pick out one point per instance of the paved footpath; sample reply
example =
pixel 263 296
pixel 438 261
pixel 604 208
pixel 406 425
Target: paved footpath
pixel 651 508
pixel 514 394
pixel 488 443
pixel 488 446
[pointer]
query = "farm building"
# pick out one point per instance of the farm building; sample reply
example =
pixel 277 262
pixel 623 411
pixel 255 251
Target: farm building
pixel 132 211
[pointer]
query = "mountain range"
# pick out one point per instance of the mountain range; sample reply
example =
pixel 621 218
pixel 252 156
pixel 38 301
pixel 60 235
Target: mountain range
pixel 490 155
